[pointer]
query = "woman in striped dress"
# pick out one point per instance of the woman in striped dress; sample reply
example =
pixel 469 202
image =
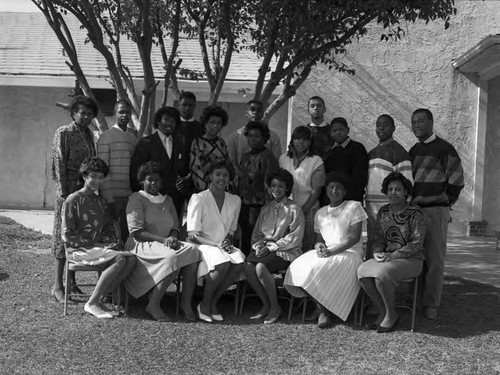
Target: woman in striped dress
pixel 328 274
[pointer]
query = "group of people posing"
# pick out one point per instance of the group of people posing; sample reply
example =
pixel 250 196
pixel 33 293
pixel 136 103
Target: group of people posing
pixel 218 211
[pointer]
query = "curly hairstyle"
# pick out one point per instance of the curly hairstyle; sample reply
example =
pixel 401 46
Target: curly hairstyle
pixel 300 132
pixel 340 177
pixel 281 175
pixel 258 125
pixel 149 167
pixel 95 165
pixel 214 110
pixel 170 112
pixel 396 176
pixel 220 164
pixel 85 101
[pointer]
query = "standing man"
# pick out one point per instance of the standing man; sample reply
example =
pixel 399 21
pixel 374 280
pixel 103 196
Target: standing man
pixel 116 147
pixel 188 130
pixel 388 156
pixel 237 143
pixel 439 179
pixel 322 140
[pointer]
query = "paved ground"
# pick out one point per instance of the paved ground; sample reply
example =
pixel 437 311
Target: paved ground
pixel 473 258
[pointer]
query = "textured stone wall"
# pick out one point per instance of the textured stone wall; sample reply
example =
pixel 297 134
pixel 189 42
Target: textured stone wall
pixel 398 77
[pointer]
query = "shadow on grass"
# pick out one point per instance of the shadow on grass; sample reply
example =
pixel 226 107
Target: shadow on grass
pixel 468 308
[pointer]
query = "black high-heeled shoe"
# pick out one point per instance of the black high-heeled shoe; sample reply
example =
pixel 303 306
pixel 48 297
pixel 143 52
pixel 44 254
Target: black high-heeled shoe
pixel 381 329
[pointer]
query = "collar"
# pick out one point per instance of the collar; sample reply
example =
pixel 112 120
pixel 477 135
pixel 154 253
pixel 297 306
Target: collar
pixel 153 198
pixel 430 139
pixel 343 144
pixel 387 141
pixel 258 151
pixel 188 120
pixel 163 137
pixel 116 126
pixel 322 125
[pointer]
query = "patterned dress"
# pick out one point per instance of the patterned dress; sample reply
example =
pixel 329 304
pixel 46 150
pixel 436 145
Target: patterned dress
pixel 155 261
pixel 205 152
pixel 71 146
pixel 401 233
pixel 331 281
pixel 87 230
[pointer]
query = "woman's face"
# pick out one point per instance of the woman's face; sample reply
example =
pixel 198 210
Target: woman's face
pixel 167 125
pixel 152 183
pixel 396 193
pixel 336 193
pixel 213 126
pixel 220 178
pixel 93 180
pixel 83 116
pixel 255 139
pixel 278 189
pixel 301 145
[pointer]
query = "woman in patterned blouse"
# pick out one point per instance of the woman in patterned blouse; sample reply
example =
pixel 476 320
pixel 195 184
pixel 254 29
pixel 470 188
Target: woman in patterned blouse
pixel 72 144
pixel 398 250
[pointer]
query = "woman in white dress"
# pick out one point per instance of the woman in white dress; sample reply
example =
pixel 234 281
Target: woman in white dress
pixel 308 178
pixel 329 273
pixel 212 219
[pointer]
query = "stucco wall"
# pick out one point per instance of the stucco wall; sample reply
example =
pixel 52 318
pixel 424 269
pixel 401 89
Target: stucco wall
pixel 398 77
pixel 28 121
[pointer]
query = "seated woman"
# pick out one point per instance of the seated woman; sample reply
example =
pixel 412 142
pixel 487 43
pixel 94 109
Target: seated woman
pixel 397 248
pixel 277 239
pixel 328 274
pixel 90 239
pixel 154 231
pixel 212 219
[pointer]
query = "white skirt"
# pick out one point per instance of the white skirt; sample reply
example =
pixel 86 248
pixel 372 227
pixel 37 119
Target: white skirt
pixel 331 281
pixel 213 256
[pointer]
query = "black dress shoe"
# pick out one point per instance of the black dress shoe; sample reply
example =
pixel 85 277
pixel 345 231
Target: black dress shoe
pixel 381 329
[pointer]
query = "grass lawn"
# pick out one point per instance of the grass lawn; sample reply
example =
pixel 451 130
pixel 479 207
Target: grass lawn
pixel 36 339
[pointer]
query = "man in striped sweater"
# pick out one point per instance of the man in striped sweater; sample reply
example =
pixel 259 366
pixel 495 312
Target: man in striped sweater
pixel 439 179
pixel 116 146
pixel 388 156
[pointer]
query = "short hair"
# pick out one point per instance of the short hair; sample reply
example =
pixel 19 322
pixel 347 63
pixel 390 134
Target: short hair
pixel 258 125
pixel 255 101
pixel 426 111
pixel 222 163
pixel 388 117
pixel 316 98
pixel 95 165
pixel 340 177
pixel 214 110
pixel 149 167
pixel 281 175
pixel 396 176
pixel 122 102
pixel 79 100
pixel 339 120
pixel 300 132
pixel 187 95
pixel 170 112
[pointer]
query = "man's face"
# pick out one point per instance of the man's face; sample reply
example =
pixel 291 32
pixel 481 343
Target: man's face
pixel 123 113
pixel 186 108
pixel 384 128
pixel 254 112
pixel 421 126
pixel 316 109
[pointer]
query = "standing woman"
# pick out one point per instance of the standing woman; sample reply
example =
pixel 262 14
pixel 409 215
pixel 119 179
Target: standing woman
pixel 398 250
pixel 212 219
pixel 308 178
pixel 72 144
pixel 329 274
pixel 209 148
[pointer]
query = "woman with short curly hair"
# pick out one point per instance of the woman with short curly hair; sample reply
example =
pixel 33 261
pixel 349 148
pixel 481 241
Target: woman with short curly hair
pixel 90 238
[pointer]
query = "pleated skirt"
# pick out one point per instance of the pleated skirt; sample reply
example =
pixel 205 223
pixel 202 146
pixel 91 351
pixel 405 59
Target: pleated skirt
pixel 331 281
pixel 155 261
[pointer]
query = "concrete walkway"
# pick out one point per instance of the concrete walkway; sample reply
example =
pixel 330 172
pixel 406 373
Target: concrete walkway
pixel 473 258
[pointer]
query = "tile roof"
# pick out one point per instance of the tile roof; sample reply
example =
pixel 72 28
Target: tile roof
pixel 28 46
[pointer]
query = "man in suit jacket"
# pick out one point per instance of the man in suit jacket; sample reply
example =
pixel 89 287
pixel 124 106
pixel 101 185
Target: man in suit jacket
pixel 164 147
